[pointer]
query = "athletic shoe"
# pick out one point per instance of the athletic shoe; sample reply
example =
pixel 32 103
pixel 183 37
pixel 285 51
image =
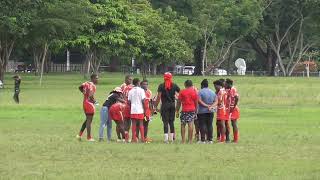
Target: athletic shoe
pixel 228 141
pixel 100 139
pixel 201 142
pixel 210 142
pixel 119 140
pixel 78 137
pixel 149 140
pixel 91 140
pixel 166 142
pixel 234 141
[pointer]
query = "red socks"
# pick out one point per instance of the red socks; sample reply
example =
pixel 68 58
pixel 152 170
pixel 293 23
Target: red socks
pixel 80 134
pixel 222 138
pixel 235 136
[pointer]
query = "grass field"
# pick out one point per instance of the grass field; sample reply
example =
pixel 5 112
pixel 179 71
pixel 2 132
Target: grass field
pixel 279 135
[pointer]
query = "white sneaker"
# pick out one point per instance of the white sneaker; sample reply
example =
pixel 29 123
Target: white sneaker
pixel 210 142
pixel 201 142
pixel 119 140
pixel 78 137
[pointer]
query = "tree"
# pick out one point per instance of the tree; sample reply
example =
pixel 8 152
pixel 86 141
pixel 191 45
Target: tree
pixel 293 33
pixel 52 25
pixel 114 32
pixel 164 38
pixel 222 24
pixel 14 20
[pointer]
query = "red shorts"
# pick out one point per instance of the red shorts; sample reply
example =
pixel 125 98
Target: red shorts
pixel 222 115
pixel 127 110
pixel 88 107
pixel 116 112
pixel 137 116
pixel 235 115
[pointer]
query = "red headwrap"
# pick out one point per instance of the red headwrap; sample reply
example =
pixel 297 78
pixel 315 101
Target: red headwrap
pixel 167 80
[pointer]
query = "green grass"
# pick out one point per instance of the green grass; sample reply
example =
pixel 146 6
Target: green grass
pixel 279 135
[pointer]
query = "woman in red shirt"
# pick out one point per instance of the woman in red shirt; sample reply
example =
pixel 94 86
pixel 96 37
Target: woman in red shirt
pixel 188 98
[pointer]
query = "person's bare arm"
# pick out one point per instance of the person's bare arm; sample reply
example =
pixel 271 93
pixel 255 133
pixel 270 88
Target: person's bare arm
pixel 202 103
pixel 156 103
pixel 215 104
pixel 236 100
pixel 144 107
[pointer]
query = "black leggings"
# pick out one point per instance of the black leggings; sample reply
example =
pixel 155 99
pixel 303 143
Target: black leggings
pixel 168 115
pixel 16 96
pixel 205 123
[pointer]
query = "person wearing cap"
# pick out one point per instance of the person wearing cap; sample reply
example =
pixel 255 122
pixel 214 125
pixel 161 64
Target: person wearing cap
pixel 167 93
pixel 17 82
pixel 105 119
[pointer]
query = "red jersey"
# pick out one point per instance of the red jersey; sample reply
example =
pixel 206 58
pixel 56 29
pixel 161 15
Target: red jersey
pixel 222 109
pixel 147 103
pixel 189 99
pixel 231 99
pixel 88 90
pixel 232 94
pixel 125 90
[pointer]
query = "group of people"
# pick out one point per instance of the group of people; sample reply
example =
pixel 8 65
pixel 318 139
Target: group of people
pixel 132 106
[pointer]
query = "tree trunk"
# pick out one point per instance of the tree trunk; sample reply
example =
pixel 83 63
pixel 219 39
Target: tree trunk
pixel 5 53
pixel 204 54
pixel 2 73
pixel 271 61
pixel 43 59
pixel 197 59
pixel 154 68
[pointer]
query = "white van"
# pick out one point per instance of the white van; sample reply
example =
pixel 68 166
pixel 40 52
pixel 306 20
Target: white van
pixel 188 70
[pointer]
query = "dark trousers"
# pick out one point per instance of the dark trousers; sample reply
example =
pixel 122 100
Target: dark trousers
pixel 206 128
pixel 168 111
pixel 16 96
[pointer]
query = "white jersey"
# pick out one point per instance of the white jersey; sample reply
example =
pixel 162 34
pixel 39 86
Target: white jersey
pixel 136 96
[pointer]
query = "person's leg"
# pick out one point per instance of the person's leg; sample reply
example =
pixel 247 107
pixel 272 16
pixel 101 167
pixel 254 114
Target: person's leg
pixel 235 131
pixel 145 126
pixel 109 126
pixel 83 127
pixel 127 124
pixel 138 129
pixel 103 121
pixel 197 129
pixel 210 127
pixel 222 130
pixel 165 120
pixel 118 133
pixel 227 125
pixel 171 123
pixel 120 127
pixel 89 121
pixel 134 130
pixel 18 99
pixel 218 130
pixel 202 125
pixel 141 127
pixel 190 132
pixel 15 97
pixel 183 133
